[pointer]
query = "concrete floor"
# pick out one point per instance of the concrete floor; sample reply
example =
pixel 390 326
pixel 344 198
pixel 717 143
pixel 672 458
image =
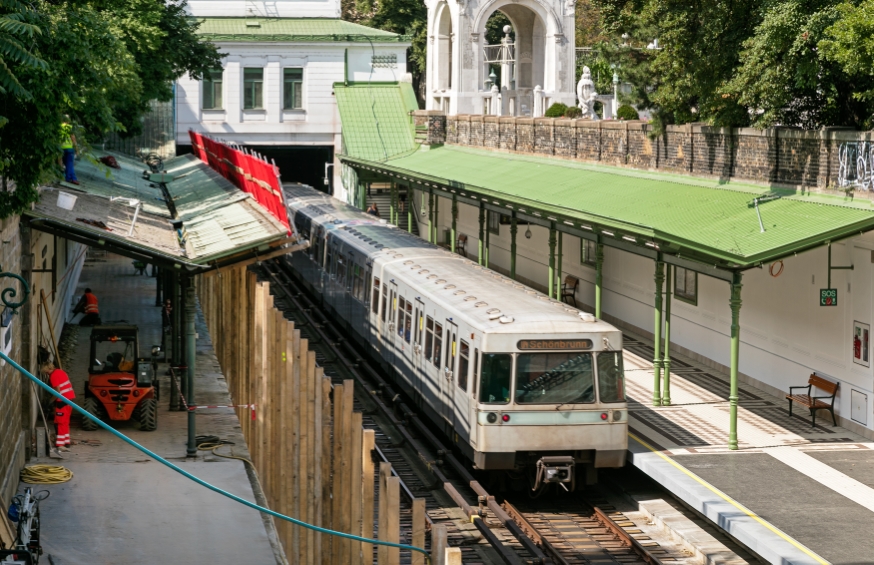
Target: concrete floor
pixel 123 507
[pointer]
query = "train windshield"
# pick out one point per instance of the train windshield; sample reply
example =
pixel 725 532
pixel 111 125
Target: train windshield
pixel 611 377
pixel 495 378
pixel 555 378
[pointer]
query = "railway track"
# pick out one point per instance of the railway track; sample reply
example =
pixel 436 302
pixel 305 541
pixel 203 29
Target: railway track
pixel 559 530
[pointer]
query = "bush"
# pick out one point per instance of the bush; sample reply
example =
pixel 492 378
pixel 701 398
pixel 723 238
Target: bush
pixel 573 112
pixel 557 110
pixel 626 112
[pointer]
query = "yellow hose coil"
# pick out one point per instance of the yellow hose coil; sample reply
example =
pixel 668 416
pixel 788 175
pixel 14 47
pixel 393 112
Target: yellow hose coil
pixel 45 474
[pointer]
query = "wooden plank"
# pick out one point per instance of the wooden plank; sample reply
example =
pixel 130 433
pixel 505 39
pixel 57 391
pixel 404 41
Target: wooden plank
pixel 345 492
pixel 336 482
pixel 326 466
pixel 382 512
pixel 264 396
pixel 452 556
pixel 368 442
pixel 316 462
pixel 306 372
pixel 439 543
pixel 251 339
pixel 256 372
pixel 306 448
pixel 287 334
pixel 418 534
pixel 393 519
pixel 355 493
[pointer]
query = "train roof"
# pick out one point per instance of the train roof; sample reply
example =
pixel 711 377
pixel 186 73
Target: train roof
pixel 485 298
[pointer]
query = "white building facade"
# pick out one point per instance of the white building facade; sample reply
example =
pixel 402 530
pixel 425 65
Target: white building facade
pixel 274 92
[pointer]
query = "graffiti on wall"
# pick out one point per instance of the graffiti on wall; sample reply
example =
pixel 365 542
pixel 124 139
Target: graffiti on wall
pixel 856 165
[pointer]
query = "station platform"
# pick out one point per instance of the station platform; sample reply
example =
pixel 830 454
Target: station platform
pixel 123 507
pixel 792 493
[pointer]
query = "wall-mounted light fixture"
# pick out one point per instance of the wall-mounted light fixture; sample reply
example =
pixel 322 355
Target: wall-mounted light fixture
pixel 528 231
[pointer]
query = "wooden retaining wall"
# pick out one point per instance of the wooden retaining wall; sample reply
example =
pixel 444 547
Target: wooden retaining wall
pixel 312 455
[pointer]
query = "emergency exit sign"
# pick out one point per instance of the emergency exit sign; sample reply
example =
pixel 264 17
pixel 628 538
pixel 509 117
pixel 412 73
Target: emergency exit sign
pixel 828 297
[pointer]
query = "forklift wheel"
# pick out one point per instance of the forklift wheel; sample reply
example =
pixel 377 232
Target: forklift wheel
pixel 148 414
pixel 93 407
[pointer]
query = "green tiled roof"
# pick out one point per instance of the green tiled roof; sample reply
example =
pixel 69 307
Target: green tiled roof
pixel 684 215
pixel 376 121
pixel 291 29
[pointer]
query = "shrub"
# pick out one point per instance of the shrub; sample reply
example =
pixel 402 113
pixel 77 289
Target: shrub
pixel 573 112
pixel 557 110
pixel 626 112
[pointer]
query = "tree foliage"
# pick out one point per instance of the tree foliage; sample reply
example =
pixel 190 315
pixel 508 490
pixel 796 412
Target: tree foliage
pixel 98 61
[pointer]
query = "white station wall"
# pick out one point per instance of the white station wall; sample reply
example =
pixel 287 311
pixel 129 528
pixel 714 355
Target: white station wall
pixel 785 334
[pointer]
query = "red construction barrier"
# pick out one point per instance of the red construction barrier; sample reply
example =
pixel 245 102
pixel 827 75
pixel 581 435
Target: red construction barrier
pixel 247 172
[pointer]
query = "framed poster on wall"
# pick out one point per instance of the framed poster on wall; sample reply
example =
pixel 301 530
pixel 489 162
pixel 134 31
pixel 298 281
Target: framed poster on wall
pixel 861 349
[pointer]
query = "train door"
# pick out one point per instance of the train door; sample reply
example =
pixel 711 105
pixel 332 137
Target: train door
pixel 471 397
pixel 460 390
pixel 450 359
pixel 417 350
pixel 432 356
pixel 391 341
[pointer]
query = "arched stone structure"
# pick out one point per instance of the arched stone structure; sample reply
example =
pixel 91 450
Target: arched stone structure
pixel 457 68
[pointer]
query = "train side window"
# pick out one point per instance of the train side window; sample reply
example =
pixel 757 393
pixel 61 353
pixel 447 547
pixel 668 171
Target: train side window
pixel 400 315
pixel 475 371
pixel 495 378
pixel 408 321
pixel 429 337
pixel 384 309
pixel 438 344
pixel 611 377
pixel 362 289
pixel 329 265
pixel 463 364
pixel 374 305
pixel 341 271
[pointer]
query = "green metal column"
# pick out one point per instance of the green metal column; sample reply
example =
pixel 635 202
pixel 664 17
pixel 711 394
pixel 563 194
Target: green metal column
pixel 558 269
pixel 454 222
pixel 173 354
pixel 599 268
pixel 393 205
pixel 513 229
pixel 435 239
pixel 158 285
pixel 190 347
pixel 486 262
pixel 735 303
pixel 551 285
pixel 410 193
pixel 481 241
pixel 431 216
pixel 657 333
pixel 666 360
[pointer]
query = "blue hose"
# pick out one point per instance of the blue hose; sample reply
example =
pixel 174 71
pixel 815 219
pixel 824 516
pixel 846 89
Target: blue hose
pixel 197 480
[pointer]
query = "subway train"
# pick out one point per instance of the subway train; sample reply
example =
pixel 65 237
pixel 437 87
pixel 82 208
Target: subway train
pixel 518 382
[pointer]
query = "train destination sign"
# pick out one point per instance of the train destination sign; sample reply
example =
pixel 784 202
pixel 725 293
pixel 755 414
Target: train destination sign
pixel 828 297
pixel 537 344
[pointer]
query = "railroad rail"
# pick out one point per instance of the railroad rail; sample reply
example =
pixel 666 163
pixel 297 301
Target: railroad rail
pixel 519 536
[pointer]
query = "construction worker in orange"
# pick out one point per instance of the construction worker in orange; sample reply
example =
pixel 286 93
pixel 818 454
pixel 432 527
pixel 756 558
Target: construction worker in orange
pixel 88 306
pixel 59 381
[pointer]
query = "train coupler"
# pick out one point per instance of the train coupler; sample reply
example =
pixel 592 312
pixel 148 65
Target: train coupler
pixel 555 469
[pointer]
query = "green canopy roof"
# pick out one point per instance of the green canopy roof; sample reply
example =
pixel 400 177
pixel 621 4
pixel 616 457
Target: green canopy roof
pixel 376 119
pixel 291 29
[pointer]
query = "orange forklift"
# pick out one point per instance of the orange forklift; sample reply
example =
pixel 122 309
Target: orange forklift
pixel 121 386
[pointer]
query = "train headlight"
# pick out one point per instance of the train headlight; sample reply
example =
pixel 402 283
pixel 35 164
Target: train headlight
pixel 603 415
pixel 492 417
pixel 617 415
pixel 505 417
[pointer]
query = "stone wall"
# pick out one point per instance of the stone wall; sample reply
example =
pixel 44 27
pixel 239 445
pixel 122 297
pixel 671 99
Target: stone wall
pixel 778 156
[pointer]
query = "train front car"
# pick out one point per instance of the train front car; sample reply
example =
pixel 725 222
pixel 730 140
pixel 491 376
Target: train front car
pixel 550 403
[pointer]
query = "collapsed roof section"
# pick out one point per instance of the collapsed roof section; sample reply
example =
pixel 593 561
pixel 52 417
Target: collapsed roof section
pixel 184 215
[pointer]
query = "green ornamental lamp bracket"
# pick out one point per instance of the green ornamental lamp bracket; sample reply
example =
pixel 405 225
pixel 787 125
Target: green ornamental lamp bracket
pixel 8 294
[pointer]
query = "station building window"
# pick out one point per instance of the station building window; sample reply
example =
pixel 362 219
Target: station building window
pixel 588 252
pixel 686 285
pixel 253 89
pixel 292 89
pixel 212 90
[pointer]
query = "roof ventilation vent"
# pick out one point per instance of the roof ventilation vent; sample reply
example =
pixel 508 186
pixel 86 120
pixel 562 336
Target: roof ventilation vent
pixel 408 262
pixel 424 272
pixel 493 311
pixel 440 281
pixel 507 319
pixel 495 315
pixel 449 286
pixel 470 298
pixel 586 317
pixel 481 304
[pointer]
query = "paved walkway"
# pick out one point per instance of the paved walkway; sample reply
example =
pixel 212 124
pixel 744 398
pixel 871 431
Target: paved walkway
pixel 123 507
pixel 810 489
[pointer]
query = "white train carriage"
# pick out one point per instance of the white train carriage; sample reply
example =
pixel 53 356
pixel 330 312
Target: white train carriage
pixel 517 380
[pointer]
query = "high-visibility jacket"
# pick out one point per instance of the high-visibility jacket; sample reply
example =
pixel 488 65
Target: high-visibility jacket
pixel 90 304
pixel 61 383
pixel 66 136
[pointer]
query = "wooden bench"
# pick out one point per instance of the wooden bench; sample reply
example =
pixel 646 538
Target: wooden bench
pixel 569 289
pixel 461 244
pixel 814 403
